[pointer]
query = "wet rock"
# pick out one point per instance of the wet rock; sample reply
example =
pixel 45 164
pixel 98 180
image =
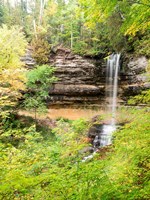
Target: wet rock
pixel 95 127
pixel 94 130
pixel 96 142
pixel 137 65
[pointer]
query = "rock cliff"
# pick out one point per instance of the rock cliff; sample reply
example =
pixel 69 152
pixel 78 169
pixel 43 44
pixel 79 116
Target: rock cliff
pixel 82 80
pixel 133 78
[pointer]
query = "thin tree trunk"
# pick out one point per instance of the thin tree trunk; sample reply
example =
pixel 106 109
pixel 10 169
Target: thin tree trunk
pixel 42 4
pixel 40 16
pixel 71 37
pixel 34 26
pixel 35 118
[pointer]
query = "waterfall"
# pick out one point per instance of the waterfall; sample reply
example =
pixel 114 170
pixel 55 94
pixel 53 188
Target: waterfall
pixel 111 97
pixel 105 136
pixel 112 84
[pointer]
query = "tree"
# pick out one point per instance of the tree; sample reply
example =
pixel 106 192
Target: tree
pixel 87 27
pixel 39 81
pixel 134 14
pixel 12 47
pixel 137 19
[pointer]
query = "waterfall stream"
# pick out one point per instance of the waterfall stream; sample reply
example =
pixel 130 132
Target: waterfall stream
pixel 111 97
pixel 105 136
pixel 112 83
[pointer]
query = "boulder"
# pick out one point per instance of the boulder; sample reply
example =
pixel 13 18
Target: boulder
pixel 94 131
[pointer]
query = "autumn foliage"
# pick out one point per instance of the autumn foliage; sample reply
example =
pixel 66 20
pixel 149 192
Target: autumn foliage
pixel 12 45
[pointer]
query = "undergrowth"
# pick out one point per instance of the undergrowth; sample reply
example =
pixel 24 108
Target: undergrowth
pixel 51 167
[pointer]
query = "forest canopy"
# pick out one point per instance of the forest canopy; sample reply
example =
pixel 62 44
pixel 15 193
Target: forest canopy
pixel 88 27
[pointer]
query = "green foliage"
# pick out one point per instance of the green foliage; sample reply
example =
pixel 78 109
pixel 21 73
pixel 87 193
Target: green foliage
pixel 40 77
pixel 17 13
pixel 143 98
pixel 137 19
pixel 134 14
pixel 39 81
pixel 12 46
pixel 122 18
pixel 79 125
pixel 40 168
pixel 141 46
pixel 37 162
pixel 131 158
pixel 80 47
pixel 90 27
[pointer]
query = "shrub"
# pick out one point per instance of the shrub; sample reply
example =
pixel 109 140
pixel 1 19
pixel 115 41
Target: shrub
pixel 143 98
pixel 41 49
pixel 39 81
pixel 53 169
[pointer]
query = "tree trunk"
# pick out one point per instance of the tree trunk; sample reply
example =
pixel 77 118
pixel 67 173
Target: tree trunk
pixel 35 118
pixel 71 37
pixel 34 26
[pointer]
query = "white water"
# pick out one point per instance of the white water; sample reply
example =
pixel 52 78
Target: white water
pixel 111 98
pixel 115 86
pixel 105 137
pixel 112 83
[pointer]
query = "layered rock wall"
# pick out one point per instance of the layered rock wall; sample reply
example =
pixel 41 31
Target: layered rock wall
pixel 79 80
pixel 133 76
pixel 82 80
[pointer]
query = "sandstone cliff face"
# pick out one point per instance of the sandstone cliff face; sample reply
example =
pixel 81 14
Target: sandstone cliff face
pixel 133 78
pixel 82 80
pixel 79 80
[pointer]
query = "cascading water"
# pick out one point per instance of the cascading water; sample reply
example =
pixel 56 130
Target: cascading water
pixel 112 82
pixel 111 97
pixel 105 136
